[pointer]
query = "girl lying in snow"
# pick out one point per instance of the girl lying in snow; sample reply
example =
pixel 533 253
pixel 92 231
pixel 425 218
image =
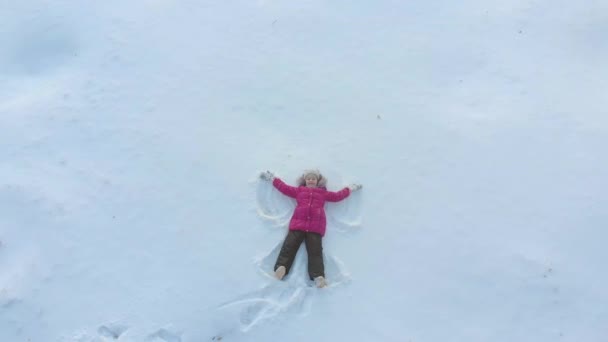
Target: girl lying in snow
pixel 308 221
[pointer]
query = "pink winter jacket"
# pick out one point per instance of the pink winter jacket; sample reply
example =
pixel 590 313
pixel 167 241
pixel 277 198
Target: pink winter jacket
pixel 309 215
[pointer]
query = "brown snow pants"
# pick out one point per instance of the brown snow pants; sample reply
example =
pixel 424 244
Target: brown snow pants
pixel 314 248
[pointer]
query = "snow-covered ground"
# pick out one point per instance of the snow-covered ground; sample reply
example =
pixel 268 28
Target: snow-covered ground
pixel 132 134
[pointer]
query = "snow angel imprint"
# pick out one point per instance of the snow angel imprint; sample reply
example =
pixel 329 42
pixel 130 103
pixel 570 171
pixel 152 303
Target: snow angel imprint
pixel 308 221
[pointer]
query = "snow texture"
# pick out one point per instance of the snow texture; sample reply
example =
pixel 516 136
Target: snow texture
pixel 132 134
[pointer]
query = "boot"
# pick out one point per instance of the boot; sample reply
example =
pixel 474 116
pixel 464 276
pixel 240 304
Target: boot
pixel 280 272
pixel 320 282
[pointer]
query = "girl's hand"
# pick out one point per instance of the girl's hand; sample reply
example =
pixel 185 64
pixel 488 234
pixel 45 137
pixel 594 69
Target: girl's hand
pixel 354 187
pixel 267 176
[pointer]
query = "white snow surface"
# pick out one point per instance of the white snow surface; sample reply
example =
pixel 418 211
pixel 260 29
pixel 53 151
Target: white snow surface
pixel 132 134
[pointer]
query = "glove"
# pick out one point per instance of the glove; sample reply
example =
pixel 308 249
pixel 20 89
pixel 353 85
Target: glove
pixel 355 187
pixel 267 176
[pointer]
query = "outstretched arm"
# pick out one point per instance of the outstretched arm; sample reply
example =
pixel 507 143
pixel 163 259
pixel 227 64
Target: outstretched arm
pixel 285 189
pixel 337 196
pixel 342 194
pixel 279 184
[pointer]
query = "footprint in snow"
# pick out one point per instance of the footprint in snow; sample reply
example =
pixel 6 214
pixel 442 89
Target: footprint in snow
pixel 164 335
pixel 112 331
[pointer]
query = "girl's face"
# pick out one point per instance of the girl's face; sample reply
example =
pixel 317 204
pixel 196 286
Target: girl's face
pixel 311 181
